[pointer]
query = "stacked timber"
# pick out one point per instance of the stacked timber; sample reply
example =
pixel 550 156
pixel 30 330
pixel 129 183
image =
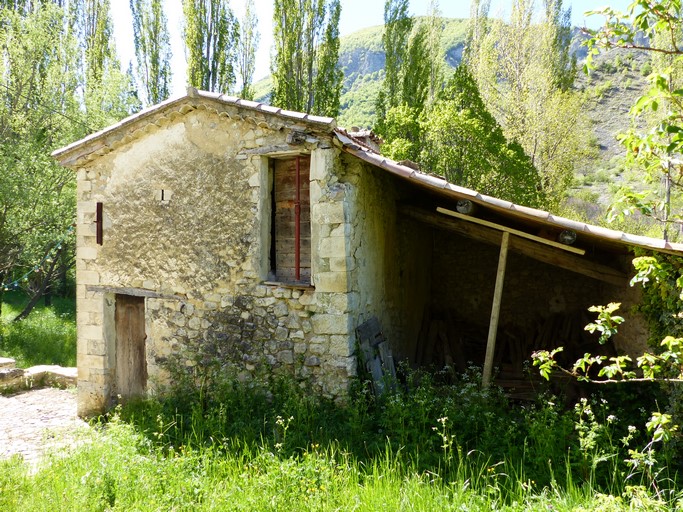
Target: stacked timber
pixel 446 340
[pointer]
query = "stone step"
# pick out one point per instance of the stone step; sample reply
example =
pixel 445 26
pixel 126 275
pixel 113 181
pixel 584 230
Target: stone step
pixel 16 379
pixel 7 362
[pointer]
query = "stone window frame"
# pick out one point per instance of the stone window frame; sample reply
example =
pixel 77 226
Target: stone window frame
pixel 266 221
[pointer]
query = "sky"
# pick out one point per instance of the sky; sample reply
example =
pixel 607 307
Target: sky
pixel 355 15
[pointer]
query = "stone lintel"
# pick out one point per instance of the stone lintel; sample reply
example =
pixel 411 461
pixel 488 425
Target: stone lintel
pixel 135 292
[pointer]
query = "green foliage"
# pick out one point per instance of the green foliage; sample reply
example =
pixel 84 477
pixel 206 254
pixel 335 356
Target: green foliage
pixel 606 323
pixel 152 49
pixel 48 336
pixel 246 50
pixel 403 132
pixel 657 151
pixel 661 276
pixel 305 70
pixel 464 143
pixel 210 34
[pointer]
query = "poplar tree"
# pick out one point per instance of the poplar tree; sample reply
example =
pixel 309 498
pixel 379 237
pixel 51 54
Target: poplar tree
pixel 435 26
pixel 305 66
pixel 96 33
pixel 246 50
pixel 524 72
pixel 152 49
pixel 410 75
pixel 210 33
pixel 397 28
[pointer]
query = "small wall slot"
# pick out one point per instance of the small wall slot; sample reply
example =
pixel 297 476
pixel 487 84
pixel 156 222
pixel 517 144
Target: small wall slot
pixel 163 195
pixel 98 223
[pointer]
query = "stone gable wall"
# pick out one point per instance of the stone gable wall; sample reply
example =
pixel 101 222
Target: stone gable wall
pixel 199 256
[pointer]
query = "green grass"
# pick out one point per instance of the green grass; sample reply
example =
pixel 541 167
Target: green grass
pixel 280 449
pixel 46 336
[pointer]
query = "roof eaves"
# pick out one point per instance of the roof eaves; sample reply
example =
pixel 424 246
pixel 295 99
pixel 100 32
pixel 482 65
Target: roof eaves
pixel 506 206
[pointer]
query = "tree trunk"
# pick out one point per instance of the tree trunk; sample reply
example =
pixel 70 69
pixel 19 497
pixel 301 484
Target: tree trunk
pixel 41 290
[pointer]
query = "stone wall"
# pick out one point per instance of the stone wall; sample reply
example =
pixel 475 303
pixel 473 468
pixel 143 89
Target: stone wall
pixel 198 252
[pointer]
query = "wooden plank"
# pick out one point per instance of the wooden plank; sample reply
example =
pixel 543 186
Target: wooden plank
pixel 376 354
pixel 387 359
pixel 495 311
pixel 512 231
pixel 569 262
pixel 529 248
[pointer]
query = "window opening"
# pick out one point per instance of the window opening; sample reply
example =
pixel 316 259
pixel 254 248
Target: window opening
pixel 290 252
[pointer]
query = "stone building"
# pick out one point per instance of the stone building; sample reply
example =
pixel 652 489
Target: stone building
pixel 210 227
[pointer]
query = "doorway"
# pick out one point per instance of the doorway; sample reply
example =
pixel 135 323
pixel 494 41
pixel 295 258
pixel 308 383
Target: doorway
pixel 131 357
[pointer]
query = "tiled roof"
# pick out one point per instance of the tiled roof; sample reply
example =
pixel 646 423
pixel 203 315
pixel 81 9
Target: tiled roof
pixel 68 155
pixel 505 208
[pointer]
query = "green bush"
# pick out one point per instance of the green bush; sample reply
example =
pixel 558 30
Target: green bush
pixel 646 69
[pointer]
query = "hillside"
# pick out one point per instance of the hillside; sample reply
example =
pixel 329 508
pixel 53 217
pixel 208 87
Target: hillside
pixel 618 80
pixel 362 59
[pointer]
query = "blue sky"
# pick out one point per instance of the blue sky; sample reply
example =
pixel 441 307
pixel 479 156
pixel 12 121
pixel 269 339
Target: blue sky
pixel 356 14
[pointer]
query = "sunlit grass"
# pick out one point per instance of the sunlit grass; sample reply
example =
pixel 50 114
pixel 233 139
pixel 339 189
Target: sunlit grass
pixel 46 336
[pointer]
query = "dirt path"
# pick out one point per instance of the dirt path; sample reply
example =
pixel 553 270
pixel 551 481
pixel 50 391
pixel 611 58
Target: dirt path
pixel 33 421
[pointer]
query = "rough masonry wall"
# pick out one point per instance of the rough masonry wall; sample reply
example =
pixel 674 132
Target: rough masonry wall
pixel 196 251
pixel 464 275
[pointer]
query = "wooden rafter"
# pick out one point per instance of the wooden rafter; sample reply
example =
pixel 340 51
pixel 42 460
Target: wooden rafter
pixel 531 248
pixel 521 234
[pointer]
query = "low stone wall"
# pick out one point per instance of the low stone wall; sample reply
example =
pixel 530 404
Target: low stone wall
pixel 16 379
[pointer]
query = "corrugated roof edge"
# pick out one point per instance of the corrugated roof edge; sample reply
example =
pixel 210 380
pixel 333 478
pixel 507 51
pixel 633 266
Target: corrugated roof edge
pixel 353 147
pixel 192 93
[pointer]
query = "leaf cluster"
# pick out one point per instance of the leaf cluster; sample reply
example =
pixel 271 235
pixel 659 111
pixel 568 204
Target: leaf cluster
pixel 654 27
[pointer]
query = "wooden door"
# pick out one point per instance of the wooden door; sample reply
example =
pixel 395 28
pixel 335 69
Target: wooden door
pixel 131 360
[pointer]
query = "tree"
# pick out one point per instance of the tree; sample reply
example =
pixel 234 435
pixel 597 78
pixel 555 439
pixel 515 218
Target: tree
pixel 411 75
pixel 152 49
pixel 435 27
pixel 47 53
pixel 464 143
pixel 305 66
pixel 108 93
pixel 38 112
pixel 657 152
pixel 246 50
pixel 524 75
pixel 397 28
pixel 210 35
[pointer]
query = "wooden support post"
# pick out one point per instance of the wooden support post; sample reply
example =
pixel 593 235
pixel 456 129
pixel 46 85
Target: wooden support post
pixel 495 311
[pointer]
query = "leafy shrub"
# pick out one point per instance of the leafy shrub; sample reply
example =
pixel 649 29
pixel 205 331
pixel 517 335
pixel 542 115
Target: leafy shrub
pixel 646 69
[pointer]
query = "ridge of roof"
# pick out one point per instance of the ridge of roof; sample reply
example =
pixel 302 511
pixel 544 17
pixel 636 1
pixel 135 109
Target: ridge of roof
pixel 194 94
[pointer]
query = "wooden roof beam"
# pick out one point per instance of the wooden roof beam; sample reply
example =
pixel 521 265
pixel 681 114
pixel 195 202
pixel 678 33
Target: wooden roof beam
pixel 531 248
